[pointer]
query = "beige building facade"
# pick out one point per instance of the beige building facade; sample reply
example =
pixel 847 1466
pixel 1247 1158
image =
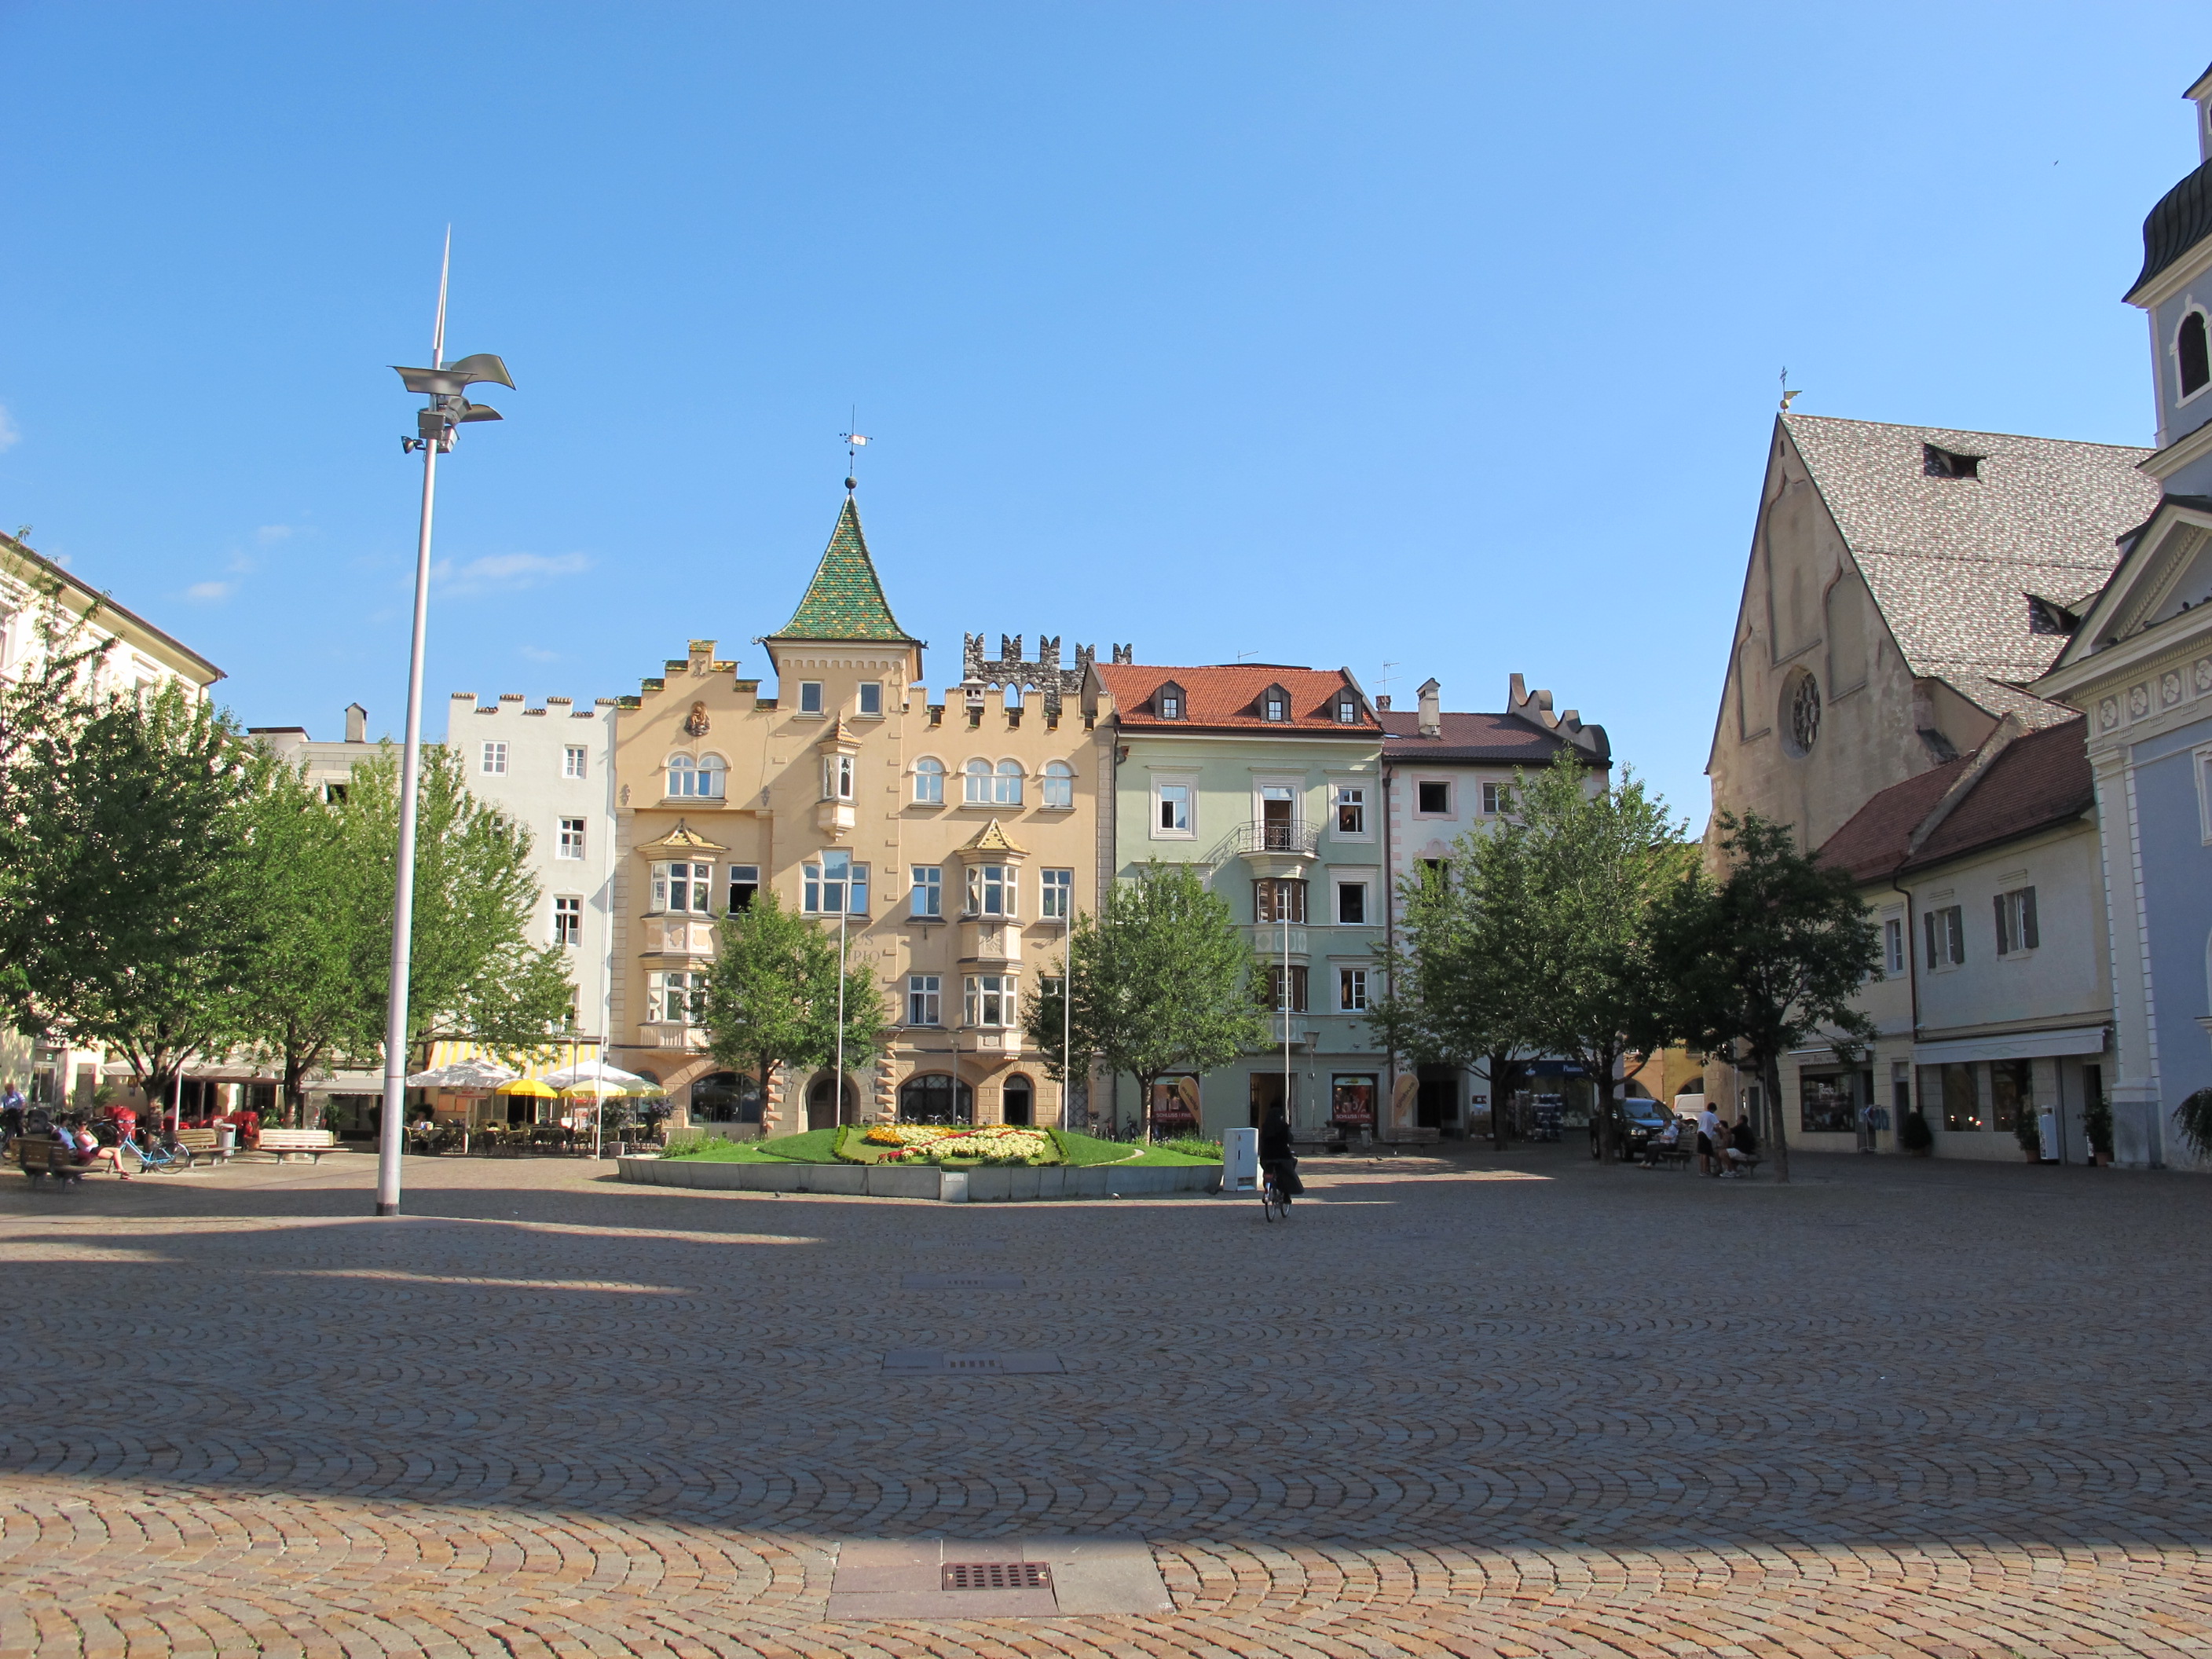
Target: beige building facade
pixel 970 821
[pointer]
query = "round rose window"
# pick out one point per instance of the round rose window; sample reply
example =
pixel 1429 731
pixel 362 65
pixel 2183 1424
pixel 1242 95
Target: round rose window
pixel 1800 712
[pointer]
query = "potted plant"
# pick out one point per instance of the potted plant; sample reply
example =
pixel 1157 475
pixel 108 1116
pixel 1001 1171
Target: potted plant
pixel 2028 1133
pixel 1914 1136
pixel 2097 1125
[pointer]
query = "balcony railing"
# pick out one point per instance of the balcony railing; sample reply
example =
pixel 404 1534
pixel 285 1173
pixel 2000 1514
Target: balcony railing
pixel 1299 840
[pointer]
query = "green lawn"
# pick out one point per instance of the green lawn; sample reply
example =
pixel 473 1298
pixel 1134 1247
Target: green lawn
pixel 817 1147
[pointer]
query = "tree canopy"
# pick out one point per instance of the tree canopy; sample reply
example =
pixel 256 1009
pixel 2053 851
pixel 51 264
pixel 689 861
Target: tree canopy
pixel 1765 958
pixel 771 996
pixel 1162 983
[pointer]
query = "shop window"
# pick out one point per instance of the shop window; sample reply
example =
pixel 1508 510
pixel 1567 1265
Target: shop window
pixel 1351 1100
pixel 1827 1101
pixel 2012 1093
pixel 1962 1098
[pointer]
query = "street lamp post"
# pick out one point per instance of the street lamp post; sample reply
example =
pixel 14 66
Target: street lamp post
pixel 435 425
pixel 841 863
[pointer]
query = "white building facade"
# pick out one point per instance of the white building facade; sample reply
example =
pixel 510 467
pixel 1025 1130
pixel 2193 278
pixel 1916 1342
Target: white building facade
pixel 551 769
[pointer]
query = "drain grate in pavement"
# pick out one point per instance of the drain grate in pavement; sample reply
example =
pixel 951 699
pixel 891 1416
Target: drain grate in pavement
pixel 996 1576
pixel 961 1282
pixel 917 1361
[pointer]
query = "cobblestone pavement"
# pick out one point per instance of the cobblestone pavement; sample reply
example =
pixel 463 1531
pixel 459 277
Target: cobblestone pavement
pixel 1518 1405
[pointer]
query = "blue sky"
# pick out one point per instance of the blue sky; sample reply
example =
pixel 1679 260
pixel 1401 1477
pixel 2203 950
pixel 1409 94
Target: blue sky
pixel 1421 339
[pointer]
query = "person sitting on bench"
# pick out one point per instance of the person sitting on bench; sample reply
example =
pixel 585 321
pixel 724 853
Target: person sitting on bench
pixel 1656 1149
pixel 1742 1148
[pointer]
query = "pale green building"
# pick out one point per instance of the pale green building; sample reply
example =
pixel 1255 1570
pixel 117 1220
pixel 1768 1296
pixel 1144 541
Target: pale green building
pixel 1269 777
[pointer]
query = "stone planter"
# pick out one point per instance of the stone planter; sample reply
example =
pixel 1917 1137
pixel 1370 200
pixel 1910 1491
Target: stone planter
pixel 977 1186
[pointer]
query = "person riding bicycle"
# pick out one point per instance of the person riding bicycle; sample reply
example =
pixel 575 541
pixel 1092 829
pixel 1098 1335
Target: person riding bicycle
pixel 1276 1159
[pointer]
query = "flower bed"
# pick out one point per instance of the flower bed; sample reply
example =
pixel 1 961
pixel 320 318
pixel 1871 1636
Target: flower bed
pixel 949 1146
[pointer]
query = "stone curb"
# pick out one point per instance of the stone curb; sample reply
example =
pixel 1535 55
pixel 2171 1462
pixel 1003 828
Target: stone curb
pixel 1001 1186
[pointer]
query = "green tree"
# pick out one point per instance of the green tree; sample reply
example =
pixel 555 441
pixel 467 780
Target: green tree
pixel 1599 860
pixel 1163 981
pixel 315 898
pixel 1458 983
pixel 474 972
pixel 1765 957
pixel 47 701
pixel 132 841
pixel 771 996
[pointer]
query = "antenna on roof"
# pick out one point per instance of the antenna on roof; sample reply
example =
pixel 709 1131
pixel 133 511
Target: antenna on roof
pixel 1241 655
pixel 1787 394
pixel 855 441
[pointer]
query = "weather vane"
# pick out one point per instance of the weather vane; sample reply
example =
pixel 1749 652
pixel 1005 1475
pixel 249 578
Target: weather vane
pixel 855 441
pixel 1787 394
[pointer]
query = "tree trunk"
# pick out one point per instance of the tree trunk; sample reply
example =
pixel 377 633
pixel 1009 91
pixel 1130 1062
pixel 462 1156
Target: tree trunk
pixel 1143 1108
pixel 1602 1092
pixel 295 1097
pixel 1501 1073
pixel 1770 1072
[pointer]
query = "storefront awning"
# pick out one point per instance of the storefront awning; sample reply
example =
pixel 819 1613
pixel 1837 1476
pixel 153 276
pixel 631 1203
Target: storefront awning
pixel 2016 1045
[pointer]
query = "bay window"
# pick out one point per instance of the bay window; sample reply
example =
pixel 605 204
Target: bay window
pixel 991 890
pixel 683 888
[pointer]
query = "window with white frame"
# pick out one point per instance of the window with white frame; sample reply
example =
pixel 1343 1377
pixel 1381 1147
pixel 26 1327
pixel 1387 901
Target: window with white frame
pixel 568 921
pixel 2192 354
pixel 1945 931
pixel 810 696
pixel 570 845
pixel 1351 903
pixel 494 761
pixel 1348 710
pixel 924 999
pixel 1352 990
pixel 1173 818
pixel 991 1000
pixel 684 888
pixel 1432 798
pixel 1059 784
pixel 2017 926
pixel 1350 809
pixel 1167 701
pixel 672 996
pixel 824 890
pixel 1055 895
pixel 1006 785
pixel 695 779
pixel 1892 944
pixel 837 777
pixel 975 783
pixel 1497 798
pixel 872 698
pixel 929 781
pixel 1275 704
pixel 992 889
pixel 929 891
pixel 744 884
pixel 1279 898
pixel 573 760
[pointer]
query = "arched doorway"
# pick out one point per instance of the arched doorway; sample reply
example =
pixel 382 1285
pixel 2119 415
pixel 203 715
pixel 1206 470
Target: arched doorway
pixel 726 1097
pixel 1018 1102
pixel 822 1108
pixel 936 1098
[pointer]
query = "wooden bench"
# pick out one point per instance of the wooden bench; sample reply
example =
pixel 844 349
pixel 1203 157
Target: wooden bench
pixel 1747 1166
pixel 1676 1157
pixel 198 1144
pixel 38 1156
pixel 313 1142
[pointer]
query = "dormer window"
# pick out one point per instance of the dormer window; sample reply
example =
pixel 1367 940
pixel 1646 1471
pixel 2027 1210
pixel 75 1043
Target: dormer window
pixel 2190 357
pixel 1348 711
pixel 1274 704
pixel 1167 701
pixel 1938 463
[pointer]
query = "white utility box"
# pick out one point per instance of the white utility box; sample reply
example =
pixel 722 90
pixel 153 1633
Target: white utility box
pixel 1240 1161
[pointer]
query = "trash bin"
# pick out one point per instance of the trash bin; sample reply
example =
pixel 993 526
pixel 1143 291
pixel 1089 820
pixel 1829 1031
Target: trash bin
pixel 226 1139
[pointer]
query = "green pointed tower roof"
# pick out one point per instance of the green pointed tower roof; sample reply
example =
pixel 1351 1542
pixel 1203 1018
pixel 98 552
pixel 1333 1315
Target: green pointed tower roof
pixel 845 600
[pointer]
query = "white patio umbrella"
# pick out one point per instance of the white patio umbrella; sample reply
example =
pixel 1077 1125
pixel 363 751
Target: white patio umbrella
pixel 597 1082
pixel 465 1076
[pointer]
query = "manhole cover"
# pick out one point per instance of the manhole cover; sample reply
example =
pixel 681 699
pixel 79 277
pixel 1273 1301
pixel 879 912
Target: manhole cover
pixel 961 1282
pixel 930 1360
pixel 997 1575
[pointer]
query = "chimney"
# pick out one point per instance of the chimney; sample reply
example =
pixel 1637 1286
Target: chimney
pixel 1383 703
pixel 357 723
pixel 1432 704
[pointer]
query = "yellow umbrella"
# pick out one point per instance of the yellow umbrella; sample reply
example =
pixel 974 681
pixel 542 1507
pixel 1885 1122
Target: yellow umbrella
pixel 525 1085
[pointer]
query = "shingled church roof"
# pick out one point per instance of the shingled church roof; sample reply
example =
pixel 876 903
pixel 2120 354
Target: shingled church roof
pixel 1951 560
pixel 845 600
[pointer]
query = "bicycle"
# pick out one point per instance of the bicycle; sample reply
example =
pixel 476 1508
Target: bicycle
pixel 1273 1206
pixel 151 1156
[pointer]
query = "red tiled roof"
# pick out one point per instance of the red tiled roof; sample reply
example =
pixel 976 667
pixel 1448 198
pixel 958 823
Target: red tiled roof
pixel 1872 843
pixel 2037 780
pixel 1227 697
pixel 1499 739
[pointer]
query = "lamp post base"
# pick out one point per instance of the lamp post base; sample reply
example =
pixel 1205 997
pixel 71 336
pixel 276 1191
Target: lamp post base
pixel 387 1209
